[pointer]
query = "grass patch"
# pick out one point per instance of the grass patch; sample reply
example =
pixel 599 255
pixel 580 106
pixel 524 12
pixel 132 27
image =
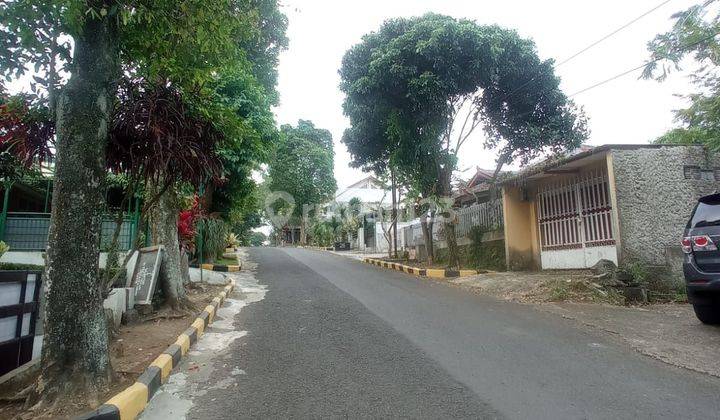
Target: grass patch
pixel 226 261
pixel 581 291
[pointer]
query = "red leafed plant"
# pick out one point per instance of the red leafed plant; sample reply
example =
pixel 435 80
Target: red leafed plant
pixel 187 220
pixel 26 130
pixel 155 134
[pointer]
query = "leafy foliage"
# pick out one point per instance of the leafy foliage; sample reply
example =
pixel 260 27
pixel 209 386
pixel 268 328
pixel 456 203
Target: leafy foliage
pixel 485 255
pixel 212 231
pixel 257 239
pixel 417 89
pixel 156 134
pixel 26 134
pixel 407 83
pixel 323 233
pixel 694 34
pixel 303 165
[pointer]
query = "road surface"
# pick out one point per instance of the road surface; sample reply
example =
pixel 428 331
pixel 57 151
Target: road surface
pixel 338 338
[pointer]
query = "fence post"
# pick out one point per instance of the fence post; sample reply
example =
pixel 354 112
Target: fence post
pixel 200 238
pixel 135 222
pixel 3 216
pixel 47 195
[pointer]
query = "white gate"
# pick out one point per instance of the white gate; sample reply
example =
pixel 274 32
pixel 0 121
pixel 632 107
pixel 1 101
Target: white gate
pixel 575 222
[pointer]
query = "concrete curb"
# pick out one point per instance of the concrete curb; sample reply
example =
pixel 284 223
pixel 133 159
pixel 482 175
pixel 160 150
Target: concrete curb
pixel 218 267
pixel 129 403
pixel 422 272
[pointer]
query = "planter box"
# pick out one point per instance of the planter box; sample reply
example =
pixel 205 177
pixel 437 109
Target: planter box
pixel 342 246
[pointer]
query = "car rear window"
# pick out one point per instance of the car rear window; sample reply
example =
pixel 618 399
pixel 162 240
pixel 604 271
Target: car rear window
pixel 707 212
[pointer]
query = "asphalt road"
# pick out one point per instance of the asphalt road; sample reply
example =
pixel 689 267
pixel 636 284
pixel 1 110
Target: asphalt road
pixel 339 338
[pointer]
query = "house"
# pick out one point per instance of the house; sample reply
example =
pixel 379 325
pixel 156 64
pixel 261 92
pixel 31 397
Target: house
pixel 25 219
pixel 623 203
pixel 371 192
pixel 478 189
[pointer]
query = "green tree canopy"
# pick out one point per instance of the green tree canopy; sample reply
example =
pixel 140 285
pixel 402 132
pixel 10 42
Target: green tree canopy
pixel 418 88
pixel 303 167
pixel 694 34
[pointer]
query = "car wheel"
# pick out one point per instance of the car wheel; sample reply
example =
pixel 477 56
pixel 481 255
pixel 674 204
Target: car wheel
pixel 708 314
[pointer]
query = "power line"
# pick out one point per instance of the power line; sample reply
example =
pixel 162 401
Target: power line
pixel 617 76
pixel 613 33
pixel 583 50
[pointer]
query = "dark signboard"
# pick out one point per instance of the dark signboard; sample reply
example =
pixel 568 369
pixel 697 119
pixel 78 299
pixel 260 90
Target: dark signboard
pixel 145 275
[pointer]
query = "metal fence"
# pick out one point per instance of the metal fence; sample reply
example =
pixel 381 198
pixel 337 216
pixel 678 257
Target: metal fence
pixel 29 232
pixel 488 215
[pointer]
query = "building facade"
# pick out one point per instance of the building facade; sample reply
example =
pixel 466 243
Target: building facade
pixel 623 203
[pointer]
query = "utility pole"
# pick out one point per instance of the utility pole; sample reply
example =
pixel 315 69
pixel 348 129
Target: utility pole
pixel 394 210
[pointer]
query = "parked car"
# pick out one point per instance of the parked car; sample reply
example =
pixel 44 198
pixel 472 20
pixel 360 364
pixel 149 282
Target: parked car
pixel 702 259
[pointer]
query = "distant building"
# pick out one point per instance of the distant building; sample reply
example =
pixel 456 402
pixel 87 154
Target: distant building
pixel 370 191
pixel 476 190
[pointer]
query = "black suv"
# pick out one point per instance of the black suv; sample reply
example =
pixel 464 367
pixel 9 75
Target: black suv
pixel 702 259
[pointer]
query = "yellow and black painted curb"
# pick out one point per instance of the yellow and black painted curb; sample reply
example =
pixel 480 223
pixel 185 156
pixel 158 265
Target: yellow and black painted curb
pixel 217 267
pixel 422 272
pixel 129 403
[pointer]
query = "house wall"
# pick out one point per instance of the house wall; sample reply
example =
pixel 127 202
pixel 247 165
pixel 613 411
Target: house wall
pixel 520 230
pixel 655 194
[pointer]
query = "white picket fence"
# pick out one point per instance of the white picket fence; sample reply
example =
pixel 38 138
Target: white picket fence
pixel 488 215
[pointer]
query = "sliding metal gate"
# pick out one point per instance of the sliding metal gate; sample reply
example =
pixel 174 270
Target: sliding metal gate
pixel 575 222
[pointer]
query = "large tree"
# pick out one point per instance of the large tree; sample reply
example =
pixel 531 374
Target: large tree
pixel 302 166
pixel 694 34
pixel 418 88
pixel 78 51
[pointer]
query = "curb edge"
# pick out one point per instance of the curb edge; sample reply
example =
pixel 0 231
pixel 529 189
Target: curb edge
pixel 421 272
pixel 130 402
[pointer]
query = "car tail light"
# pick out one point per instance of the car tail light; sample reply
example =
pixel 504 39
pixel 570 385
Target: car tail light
pixel 686 245
pixel 703 243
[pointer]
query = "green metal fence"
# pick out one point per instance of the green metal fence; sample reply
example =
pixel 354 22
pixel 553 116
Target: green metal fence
pixel 29 231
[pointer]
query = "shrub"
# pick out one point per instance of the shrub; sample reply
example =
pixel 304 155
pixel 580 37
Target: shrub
pixel 4 248
pixel 20 267
pixel 232 240
pixel 214 232
pixel 485 255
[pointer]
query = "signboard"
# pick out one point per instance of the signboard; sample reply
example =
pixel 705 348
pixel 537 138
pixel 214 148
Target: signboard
pixel 145 274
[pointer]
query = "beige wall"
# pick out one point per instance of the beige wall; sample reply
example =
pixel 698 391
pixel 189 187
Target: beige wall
pixel 521 248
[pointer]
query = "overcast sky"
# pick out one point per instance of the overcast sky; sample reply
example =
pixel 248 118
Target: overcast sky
pixel 626 110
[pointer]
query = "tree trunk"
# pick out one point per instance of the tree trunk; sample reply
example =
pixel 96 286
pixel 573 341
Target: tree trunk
pixel 75 356
pixel 450 237
pixel 303 233
pixel 163 224
pixel 427 227
pixel 394 212
pixel 453 250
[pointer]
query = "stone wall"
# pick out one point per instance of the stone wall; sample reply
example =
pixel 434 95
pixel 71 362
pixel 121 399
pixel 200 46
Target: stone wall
pixel 657 189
